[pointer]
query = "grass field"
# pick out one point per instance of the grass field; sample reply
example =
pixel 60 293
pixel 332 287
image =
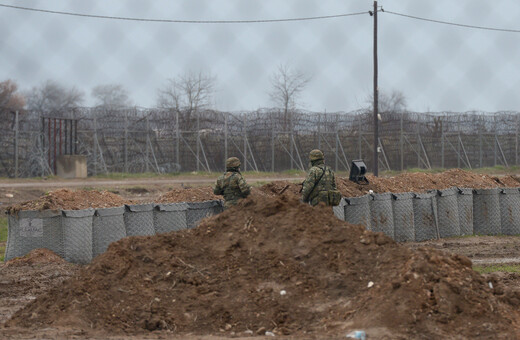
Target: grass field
pixel 497 268
pixel 3 236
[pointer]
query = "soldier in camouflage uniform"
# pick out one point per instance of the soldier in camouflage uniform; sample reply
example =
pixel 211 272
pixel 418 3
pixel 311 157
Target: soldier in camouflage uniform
pixel 320 178
pixel 231 184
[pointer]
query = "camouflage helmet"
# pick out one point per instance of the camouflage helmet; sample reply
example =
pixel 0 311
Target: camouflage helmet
pixel 316 155
pixel 232 162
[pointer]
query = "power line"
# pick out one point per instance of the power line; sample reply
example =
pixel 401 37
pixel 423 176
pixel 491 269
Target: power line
pixel 184 21
pixel 453 23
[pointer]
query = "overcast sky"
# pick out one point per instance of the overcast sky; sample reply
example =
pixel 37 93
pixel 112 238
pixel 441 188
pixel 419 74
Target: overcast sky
pixel 437 67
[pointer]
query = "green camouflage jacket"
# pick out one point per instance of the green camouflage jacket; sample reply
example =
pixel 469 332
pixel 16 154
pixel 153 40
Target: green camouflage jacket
pixel 327 182
pixel 232 186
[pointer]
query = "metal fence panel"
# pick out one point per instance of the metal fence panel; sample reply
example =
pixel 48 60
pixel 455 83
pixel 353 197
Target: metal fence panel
pixel 139 220
pixel 29 230
pixel 382 218
pixel 402 206
pixel 77 235
pixel 486 212
pixel 510 211
pixel 170 217
pixel 425 220
pixel 465 206
pixel 357 211
pixel 108 226
pixel 448 213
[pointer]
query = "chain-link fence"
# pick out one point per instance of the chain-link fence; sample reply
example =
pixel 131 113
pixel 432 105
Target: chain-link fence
pixel 143 140
pixel 444 75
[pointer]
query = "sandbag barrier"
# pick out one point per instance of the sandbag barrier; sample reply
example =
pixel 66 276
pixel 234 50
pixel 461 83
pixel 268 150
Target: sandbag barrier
pixel 80 235
pixel 436 214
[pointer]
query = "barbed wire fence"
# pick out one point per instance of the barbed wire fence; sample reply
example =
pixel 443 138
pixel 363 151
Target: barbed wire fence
pixel 140 140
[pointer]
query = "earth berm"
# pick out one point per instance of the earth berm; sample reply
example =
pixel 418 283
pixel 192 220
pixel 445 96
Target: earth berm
pixel 273 264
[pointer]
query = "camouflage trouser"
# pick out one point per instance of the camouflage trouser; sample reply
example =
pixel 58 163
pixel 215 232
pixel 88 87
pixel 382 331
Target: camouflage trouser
pixel 230 203
pixel 319 199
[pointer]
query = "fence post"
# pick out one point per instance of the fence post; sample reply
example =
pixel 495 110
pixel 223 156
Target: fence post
pixel 148 143
pixel 245 141
pixel 458 143
pixel 418 144
pixel 516 141
pixel 225 138
pixel 337 144
pixel 272 142
pixel 16 144
pixel 442 145
pixel 291 139
pixel 401 148
pixel 495 141
pixel 126 143
pixel 42 145
pixel 94 117
pixel 359 137
pixel 480 147
pixel 319 130
pixel 178 140
pixel 198 140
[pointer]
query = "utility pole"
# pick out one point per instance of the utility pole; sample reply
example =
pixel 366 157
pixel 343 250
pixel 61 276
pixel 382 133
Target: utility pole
pixel 376 95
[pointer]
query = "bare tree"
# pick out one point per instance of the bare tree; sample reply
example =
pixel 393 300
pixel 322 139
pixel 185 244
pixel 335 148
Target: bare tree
pixel 186 94
pixel 111 96
pixel 10 98
pixel 53 97
pixel 391 106
pixel 287 85
pixel 389 103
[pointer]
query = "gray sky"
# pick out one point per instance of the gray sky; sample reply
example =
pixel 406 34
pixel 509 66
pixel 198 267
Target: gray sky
pixel 436 67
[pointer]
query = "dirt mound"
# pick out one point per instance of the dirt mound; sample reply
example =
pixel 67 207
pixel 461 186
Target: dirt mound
pixel 206 193
pixel 65 199
pixel 274 264
pixel 420 182
pixel 277 188
pixel 188 195
pixel 36 256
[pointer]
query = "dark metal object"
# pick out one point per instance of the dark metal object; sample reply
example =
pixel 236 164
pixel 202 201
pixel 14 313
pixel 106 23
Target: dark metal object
pixel 358 171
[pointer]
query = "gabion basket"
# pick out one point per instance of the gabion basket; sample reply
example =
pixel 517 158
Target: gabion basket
pixel 510 211
pixel 425 217
pixel 357 211
pixel 382 217
pixel 339 210
pixel 402 205
pixel 108 226
pixel 448 212
pixel 29 230
pixel 139 220
pixel 200 210
pixel 486 212
pixel 77 235
pixel 465 206
pixel 170 217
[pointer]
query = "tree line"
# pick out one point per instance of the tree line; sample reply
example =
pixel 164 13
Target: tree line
pixel 184 94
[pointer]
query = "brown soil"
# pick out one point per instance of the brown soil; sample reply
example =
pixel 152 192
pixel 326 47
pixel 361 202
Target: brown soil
pixel 405 182
pixel 420 182
pixel 188 195
pixel 36 256
pixel 228 276
pixel 65 199
pixel 277 188
pixel 21 280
